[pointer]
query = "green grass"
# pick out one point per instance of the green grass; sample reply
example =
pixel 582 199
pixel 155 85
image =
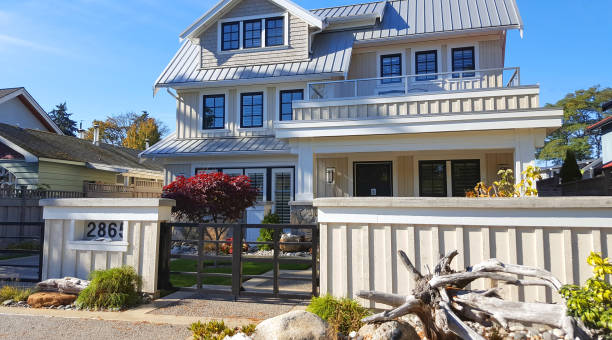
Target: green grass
pixel 248 268
pixel 14 256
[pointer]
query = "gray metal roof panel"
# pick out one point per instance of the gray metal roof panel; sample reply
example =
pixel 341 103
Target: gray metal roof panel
pixel 196 146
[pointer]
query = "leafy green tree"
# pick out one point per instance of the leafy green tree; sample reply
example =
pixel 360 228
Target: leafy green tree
pixel 570 170
pixel 580 109
pixel 61 118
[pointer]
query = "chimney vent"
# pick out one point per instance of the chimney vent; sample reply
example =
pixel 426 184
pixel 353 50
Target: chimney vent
pixel 146 143
pixel 96 134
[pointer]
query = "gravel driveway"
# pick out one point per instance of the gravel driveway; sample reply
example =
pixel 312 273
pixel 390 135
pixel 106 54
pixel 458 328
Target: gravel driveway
pixel 51 328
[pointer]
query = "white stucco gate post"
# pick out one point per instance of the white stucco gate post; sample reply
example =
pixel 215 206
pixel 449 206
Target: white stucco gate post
pixel 86 234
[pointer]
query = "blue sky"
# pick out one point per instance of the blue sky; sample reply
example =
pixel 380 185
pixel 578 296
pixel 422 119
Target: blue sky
pixel 102 56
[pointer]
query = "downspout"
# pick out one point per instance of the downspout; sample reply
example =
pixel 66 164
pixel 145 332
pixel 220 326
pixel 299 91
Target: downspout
pixel 174 95
pixel 312 34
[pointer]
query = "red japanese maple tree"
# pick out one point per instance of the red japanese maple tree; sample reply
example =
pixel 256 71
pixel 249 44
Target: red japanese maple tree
pixel 214 197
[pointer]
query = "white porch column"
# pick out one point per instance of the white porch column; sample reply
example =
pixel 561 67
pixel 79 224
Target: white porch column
pixel 524 151
pixel 304 172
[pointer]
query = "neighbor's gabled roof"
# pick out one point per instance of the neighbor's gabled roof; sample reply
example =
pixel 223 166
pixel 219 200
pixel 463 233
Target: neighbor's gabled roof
pixel 31 104
pixel 211 15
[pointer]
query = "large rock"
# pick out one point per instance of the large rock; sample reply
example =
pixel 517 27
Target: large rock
pixel 48 299
pixel 292 247
pixel 296 325
pixel 68 285
pixel 390 330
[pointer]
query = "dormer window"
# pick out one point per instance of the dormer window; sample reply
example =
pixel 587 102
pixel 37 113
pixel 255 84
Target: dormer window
pixel 230 36
pixel 275 32
pixel 252 33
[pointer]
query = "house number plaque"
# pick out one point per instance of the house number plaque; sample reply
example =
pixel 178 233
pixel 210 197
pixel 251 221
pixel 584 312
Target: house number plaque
pixel 104 231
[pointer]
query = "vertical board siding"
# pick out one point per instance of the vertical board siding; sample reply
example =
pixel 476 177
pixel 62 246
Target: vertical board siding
pixel 172 171
pixel 364 256
pixel 340 187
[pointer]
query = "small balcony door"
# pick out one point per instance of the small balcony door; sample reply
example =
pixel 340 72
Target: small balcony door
pixel 373 179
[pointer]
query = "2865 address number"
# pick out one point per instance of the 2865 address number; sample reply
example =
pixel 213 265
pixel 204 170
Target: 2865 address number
pixel 101 229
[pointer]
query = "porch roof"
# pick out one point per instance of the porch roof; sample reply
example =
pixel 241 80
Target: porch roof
pixel 172 146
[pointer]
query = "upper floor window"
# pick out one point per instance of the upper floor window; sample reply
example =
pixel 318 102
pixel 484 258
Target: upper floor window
pixel 391 66
pixel 252 33
pixel 251 110
pixel 275 31
pixel 230 36
pixel 214 112
pixel 286 102
pixel 426 63
pixel 463 60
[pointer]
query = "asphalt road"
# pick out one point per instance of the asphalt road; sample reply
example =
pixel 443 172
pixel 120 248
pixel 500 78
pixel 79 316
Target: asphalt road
pixel 51 328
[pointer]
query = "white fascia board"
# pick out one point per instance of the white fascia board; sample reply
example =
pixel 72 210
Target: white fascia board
pixel 436 35
pixel 530 119
pixel 217 153
pixel 196 28
pixel 23 92
pixel 251 81
pixel 28 157
pixel 119 169
pixel 439 95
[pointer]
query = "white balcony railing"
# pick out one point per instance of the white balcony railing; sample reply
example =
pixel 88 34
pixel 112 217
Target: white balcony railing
pixel 414 84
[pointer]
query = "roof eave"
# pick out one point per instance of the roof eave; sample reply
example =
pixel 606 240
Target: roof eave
pixel 216 153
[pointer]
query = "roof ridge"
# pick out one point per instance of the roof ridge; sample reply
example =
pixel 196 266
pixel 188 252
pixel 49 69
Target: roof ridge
pixel 355 4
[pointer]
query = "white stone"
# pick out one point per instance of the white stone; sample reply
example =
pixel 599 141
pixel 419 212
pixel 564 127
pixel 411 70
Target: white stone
pixel 296 325
pixel 391 330
pixel 238 336
pixel 558 333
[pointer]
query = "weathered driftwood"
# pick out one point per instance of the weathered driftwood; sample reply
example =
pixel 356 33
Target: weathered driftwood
pixel 442 303
pixel 67 285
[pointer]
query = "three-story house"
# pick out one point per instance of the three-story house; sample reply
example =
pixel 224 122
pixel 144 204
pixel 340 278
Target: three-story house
pixel 389 98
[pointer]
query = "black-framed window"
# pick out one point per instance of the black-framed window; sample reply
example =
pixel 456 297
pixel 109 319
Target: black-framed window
pixel 252 33
pixel 426 62
pixel 275 31
pixel 465 175
pixel 391 66
pixel 463 60
pixel 286 102
pixel 230 36
pixel 432 179
pixel 251 109
pixel 214 112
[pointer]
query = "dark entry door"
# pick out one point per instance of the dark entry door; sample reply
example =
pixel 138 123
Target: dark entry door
pixel 373 179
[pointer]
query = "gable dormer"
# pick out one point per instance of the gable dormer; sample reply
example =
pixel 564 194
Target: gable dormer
pixel 247 32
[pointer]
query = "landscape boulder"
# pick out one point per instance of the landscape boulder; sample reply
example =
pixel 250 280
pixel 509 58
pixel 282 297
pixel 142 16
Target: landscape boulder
pixel 68 285
pixel 296 325
pixel 292 247
pixel 48 299
pixel 390 330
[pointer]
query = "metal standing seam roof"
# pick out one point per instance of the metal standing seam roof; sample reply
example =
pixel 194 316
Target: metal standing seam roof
pixel 332 50
pixel 351 10
pixel 331 54
pixel 217 145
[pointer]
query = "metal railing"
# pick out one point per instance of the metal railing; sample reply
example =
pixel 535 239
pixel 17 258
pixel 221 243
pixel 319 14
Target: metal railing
pixel 202 236
pixel 415 83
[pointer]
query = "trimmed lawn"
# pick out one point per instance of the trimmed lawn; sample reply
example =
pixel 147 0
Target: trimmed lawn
pixel 248 268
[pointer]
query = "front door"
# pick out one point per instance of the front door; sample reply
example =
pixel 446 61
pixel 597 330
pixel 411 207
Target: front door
pixel 373 179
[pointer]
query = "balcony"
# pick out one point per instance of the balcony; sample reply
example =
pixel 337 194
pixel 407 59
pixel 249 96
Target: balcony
pixel 496 78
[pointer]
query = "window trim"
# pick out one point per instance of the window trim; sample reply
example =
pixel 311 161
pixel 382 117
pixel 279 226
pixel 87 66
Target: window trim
pixel 203 96
pixel 244 31
pixel 241 21
pixel 446 182
pixel 263 109
pixel 262 171
pixel 239 35
pixel 280 102
pixel 437 64
pixel 449 157
pixel 475 45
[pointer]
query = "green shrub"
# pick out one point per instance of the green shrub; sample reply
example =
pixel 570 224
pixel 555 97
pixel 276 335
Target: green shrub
pixel 569 169
pixel 593 302
pixel 15 293
pixel 343 315
pixel 112 288
pixel 217 330
pixel 265 234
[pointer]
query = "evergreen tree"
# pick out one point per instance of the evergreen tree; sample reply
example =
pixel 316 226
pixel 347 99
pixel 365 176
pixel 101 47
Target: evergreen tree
pixel 580 109
pixel 61 118
pixel 570 170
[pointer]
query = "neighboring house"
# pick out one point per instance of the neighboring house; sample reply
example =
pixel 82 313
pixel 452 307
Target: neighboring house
pixel 17 107
pixel 390 98
pixel 54 162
